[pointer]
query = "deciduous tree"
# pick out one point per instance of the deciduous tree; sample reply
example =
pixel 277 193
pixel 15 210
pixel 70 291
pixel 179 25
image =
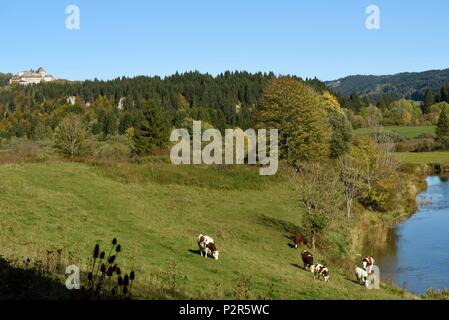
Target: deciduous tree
pixel 319 192
pixel 294 109
pixel 71 137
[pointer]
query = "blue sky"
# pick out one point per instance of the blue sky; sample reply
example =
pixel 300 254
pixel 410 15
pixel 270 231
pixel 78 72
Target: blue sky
pixel 323 38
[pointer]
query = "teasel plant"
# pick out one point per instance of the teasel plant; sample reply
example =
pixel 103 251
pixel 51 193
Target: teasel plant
pixel 105 278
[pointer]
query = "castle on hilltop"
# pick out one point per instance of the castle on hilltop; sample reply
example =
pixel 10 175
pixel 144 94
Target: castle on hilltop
pixel 31 77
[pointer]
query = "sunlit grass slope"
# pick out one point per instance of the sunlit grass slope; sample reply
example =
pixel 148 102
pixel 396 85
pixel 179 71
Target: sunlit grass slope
pixel 157 211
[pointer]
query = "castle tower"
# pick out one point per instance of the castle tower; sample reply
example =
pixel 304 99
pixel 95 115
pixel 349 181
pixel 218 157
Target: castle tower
pixel 42 72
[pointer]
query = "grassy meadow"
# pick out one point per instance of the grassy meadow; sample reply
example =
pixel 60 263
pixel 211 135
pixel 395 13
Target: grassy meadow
pixel 407 131
pixel 156 211
pixel 436 157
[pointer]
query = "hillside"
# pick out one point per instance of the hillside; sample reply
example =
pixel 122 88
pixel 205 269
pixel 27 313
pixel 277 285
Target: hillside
pixel 156 211
pixel 409 84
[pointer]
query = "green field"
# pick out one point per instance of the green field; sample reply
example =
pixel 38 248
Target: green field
pixel 424 157
pixel 156 212
pixel 408 132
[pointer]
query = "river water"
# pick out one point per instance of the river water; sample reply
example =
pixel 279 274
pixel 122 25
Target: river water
pixel 415 254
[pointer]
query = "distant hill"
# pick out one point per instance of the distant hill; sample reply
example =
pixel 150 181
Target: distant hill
pixel 409 84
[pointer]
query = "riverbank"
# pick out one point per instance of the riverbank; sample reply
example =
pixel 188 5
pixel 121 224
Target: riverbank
pixel 375 232
pixel 413 181
pixel 419 243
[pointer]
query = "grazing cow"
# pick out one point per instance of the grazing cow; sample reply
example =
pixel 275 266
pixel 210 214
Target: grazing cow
pixel 207 246
pixel 320 271
pixel 307 258
pixel 368 263
pixel 297 240
pixel 361 275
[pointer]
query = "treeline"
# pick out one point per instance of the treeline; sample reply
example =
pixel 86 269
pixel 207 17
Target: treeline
pixel 227 100
pixel 387 110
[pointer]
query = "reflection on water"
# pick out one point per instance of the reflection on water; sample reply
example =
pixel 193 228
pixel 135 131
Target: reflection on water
pixel 415 254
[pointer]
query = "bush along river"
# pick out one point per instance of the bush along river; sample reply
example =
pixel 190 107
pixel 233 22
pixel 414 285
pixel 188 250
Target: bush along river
pixel 414 255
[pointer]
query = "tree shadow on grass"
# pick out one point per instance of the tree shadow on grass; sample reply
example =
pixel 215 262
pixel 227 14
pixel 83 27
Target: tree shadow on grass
pixel 29 284
pixel 281 225
pixel 289 228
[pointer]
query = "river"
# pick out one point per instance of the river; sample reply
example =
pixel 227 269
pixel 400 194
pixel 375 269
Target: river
pixel 415 254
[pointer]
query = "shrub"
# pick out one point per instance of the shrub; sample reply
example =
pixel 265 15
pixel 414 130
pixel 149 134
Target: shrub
pixel 376 200
pixel 26 151
pixel 387 136
pixel 72 138
pixel 425 136
pixel 425 146
pixel 117 149
pixel 443 144
pixel 407 146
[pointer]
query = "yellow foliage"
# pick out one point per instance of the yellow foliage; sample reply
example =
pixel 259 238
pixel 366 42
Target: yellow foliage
pixel 183 103
pixel 130 133
pixel 330 102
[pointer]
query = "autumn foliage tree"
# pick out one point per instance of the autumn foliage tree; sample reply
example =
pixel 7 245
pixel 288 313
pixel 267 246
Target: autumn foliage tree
pixel 295 110
pixel 377 170
pixel 71 137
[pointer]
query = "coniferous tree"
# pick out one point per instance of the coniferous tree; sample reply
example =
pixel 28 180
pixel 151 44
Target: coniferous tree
pixel 356 105
pixel 444 95
pixel 443 126
pixel 152 132
pixel 429 100
pixel 125 123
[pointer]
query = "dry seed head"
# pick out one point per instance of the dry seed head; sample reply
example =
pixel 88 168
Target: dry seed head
pixel 96 251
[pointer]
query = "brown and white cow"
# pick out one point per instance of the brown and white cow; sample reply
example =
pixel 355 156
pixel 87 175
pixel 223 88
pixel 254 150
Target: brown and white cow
pixel 368 263
pixel 307 259
pixel 298 240
pixel 320 271
pixel 361 275
pixel 207 246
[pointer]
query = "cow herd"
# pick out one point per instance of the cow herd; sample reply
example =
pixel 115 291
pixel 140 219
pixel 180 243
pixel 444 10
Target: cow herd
pixel 207 247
